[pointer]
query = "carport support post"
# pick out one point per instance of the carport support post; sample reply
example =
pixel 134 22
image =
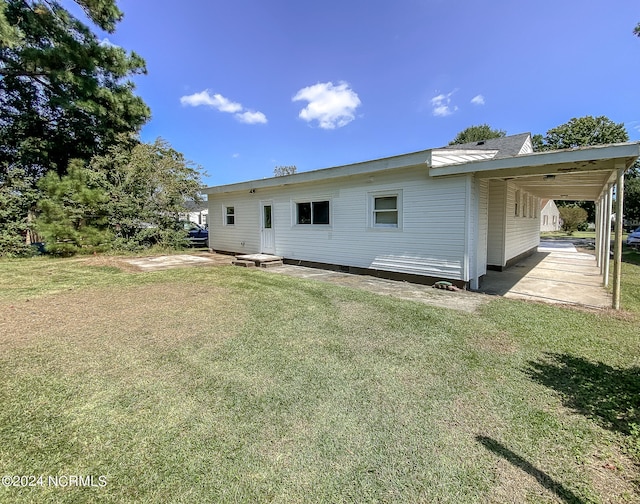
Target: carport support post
pixel 606 240
pixel 599 233
pixel 617 259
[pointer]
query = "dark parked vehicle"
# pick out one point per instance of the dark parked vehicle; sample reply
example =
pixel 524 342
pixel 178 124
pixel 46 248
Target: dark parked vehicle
pixel 633 240
pixel 198 235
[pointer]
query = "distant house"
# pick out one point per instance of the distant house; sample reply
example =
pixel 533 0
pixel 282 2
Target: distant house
pixel 446 213
pixel 198 213
pixel 549 216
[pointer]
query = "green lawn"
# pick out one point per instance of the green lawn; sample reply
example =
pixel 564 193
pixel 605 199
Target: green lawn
pixel 233 385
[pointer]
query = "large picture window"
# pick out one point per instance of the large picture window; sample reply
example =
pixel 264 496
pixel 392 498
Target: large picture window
pixel 313 212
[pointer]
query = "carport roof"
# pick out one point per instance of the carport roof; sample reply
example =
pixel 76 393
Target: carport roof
pixel 571 174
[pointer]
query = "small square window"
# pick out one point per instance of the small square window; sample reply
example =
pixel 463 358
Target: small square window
pixel 230 216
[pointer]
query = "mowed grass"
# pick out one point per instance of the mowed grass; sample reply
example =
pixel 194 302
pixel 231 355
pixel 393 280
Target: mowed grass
pixel 230 385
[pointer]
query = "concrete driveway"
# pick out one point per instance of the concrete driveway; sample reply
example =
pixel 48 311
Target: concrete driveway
pixel 556 273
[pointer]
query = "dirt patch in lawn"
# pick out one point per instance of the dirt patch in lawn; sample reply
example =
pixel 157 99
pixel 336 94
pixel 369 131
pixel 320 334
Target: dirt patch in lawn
pixel 158 315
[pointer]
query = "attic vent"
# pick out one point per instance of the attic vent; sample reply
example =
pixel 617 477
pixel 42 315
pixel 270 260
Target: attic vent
pixel 481 142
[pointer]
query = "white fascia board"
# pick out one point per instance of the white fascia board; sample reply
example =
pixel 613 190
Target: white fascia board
pixel 402 161
pixel 536 161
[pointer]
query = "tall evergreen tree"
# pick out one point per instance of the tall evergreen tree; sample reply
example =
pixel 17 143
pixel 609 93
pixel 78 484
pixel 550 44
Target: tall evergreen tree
pixel 63 94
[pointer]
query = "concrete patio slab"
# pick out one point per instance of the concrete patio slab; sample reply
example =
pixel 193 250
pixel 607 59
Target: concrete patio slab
pixel 178 260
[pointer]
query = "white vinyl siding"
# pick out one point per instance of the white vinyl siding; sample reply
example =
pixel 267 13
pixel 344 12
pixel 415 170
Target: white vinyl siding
pixel 496 225
pixel 521 233
pixel 483 227
pixel 431 216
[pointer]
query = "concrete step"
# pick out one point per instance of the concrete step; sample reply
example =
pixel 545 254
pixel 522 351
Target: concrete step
pixel 270 264
pixel 245 264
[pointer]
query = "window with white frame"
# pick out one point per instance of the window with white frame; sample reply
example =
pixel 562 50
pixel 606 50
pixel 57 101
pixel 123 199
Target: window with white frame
pixel 313 212
pixel 229 216
pixel 524 205
pixel 517 204
pixel 386 210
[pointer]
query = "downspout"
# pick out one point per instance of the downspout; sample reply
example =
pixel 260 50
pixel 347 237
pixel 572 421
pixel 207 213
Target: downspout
pixel 617 259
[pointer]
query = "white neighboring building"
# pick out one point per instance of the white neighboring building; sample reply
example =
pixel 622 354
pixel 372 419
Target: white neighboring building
pixel 448 213
pixel 549 216
pixel 198 213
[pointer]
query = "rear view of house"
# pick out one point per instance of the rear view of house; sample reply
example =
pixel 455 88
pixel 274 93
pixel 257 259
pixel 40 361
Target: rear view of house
pixel 447 213
pixel 549 216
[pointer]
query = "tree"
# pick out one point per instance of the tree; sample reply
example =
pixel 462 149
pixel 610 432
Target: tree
pixel 17 196
pixel 63 94
pixel 281 171
pixel 636 30
pixel 72 215
pixel 148 188
pixel 582 132
pixel 572 216
pixel 632 199
pixel 476 134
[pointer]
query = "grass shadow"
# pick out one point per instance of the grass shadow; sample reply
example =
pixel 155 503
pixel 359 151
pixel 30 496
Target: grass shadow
pixel 608 395
pixel 542 477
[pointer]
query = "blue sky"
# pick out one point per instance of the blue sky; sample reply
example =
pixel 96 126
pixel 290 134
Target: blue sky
pixel 242 86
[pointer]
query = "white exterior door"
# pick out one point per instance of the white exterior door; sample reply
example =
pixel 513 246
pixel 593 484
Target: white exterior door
pixel 267 240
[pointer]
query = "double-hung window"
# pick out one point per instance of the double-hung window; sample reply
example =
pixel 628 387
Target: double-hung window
pixel 386 210
pixel 229 216
pixel 313 212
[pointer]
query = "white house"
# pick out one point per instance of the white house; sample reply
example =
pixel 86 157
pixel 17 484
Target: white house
pixel 549 216
pixel 447 213
pixel 197 212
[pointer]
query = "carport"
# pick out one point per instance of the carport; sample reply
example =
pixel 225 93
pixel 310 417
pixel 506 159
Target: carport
pixel 588 173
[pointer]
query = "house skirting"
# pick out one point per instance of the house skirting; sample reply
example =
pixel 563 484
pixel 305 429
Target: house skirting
pixel 513 260
pixel 389 275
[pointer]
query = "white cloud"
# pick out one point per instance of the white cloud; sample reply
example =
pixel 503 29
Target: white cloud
pixel 634 125
pixel 235 155
pixel 442 105
pixel 219 102
pixel 216 101
pixel 251 117
pixel 478 100
pixel 332 106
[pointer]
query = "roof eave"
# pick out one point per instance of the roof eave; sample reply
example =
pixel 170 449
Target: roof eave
pixel 384 164
pixel 544 162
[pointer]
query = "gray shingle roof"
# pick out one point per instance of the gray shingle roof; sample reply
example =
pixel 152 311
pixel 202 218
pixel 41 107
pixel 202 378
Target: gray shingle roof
pixel 507 146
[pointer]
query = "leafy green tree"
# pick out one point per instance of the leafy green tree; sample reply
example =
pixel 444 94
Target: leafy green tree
pixel 632 198
pixel 280 171
pixel 476 134
pixel 582 132
pixel 636 30
pixel 72 215
pixel 572 217
pixel 149 187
